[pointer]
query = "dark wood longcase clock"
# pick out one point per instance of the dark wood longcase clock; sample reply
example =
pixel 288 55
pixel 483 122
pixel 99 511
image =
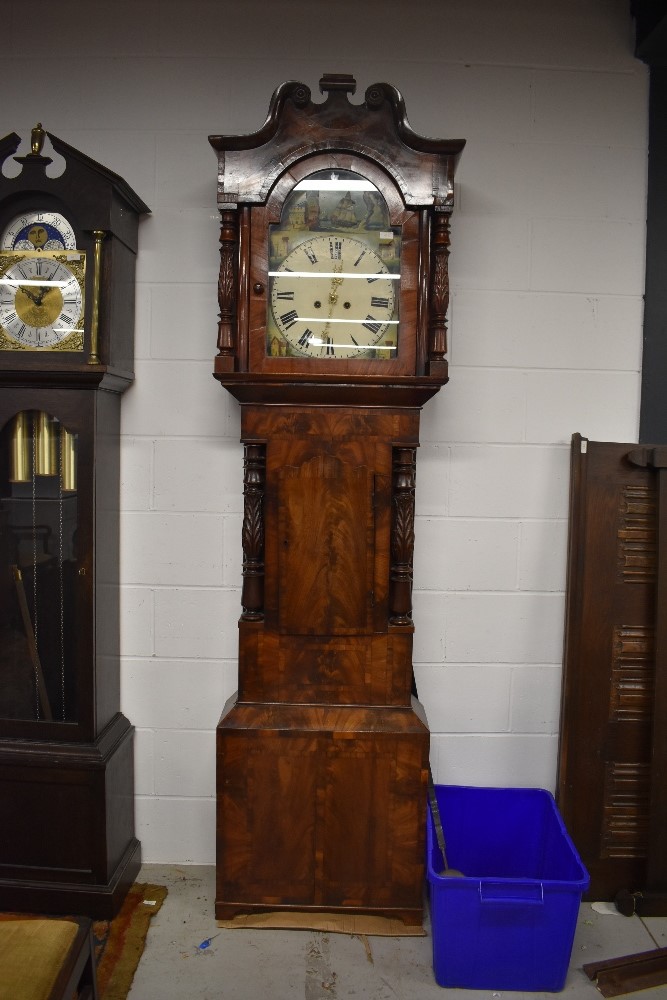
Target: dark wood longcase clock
pixel 333 297
pixel 68 246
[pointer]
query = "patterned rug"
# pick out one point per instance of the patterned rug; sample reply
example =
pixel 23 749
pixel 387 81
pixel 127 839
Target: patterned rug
pixel 119 943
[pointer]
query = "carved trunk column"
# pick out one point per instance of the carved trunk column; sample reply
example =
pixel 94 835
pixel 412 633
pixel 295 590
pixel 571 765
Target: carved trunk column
pixel 229 245
pixel 439 299
pixel 252 596
pixel 402 536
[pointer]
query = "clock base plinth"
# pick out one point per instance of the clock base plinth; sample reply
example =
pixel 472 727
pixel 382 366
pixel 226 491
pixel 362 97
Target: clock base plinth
pixel 321 808
pixel 67 841
pixel 408 917
pixel 100 902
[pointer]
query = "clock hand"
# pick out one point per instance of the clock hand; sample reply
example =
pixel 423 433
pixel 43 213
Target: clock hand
pixel 335 284
pixel 36 297
pixel 31 294
pixel 333 297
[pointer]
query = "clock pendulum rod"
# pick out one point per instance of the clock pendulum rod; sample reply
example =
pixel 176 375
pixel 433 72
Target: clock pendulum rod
pixel 42 696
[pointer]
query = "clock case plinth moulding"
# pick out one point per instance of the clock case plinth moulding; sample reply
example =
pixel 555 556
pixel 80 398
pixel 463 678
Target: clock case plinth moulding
pixel 67 840
pixel 322 754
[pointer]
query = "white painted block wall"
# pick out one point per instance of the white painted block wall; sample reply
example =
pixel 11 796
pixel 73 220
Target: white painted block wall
pixel 545 339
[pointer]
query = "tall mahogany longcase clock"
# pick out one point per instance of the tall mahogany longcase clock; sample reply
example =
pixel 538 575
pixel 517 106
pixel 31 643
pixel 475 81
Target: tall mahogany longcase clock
pixel 333 297
pixel 68 246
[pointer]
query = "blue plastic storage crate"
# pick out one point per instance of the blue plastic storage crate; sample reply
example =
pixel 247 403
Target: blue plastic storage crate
pixel 510 922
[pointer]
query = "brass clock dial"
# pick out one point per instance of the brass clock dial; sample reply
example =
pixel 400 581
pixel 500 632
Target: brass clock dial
pixel 333 296
pixel 39 231
pixel 41 301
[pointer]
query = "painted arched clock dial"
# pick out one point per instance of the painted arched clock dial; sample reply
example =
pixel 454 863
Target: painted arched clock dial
pixel 333 296
pixel 41 301
pixel 39 231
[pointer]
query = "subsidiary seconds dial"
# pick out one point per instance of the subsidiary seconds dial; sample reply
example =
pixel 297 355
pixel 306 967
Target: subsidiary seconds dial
pixel 334 297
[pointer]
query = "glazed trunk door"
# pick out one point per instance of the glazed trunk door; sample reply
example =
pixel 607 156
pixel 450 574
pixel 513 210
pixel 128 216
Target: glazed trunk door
pixel 606 724
pixel 325 523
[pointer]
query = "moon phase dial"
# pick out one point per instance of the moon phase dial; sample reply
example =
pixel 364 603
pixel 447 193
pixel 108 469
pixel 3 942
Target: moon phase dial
pixel 39 231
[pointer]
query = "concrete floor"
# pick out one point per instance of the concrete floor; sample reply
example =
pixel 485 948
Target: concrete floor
pixel 284 965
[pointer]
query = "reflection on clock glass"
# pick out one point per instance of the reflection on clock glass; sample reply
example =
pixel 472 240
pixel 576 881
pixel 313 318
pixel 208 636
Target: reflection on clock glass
pixel 334 272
